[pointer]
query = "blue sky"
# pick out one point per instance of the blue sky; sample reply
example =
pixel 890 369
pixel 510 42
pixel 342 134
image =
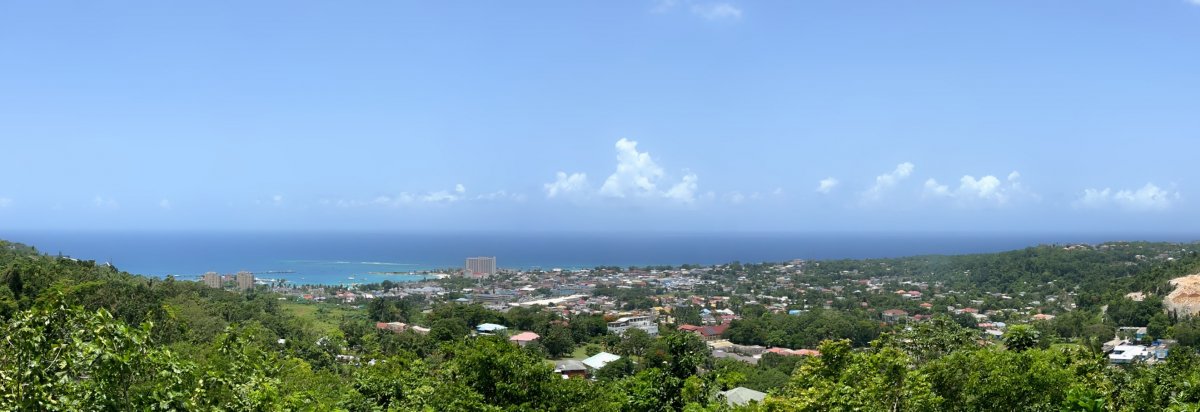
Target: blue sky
pixel 607 115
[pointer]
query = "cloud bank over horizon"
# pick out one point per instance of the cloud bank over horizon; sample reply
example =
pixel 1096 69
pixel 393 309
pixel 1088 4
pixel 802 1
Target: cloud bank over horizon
pixel 638 184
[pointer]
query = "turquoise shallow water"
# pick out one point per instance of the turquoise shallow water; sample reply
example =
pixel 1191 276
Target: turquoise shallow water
pixel 340 272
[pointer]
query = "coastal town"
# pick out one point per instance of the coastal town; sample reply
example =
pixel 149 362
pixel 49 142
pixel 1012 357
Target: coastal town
pixel 859 300
pixel 1046 323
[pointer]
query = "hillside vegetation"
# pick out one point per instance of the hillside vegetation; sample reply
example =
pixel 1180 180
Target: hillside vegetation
pixel 82 336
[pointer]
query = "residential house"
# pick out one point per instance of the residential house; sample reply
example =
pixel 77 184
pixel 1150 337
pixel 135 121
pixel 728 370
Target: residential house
pixel 491 329
pixel 571 368
pixel 392 326
pixel 710 332
pixel 621 325
pixel 524 338
pixel 721 354
pixel 894 315
pixel 741 396
pixel 1129 354
pixel 796 352
pixel 598 360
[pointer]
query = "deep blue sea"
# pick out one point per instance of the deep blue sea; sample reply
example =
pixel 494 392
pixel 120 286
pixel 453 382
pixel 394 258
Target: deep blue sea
pixel 336 257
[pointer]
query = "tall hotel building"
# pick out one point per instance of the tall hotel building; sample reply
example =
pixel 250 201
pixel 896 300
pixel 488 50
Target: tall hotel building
pixel 480 267
pixel 212 280
pixel 245 280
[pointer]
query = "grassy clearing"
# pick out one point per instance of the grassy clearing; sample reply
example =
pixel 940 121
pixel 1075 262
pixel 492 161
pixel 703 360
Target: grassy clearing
pixel 324 317
pixel 578 354
pixel 1063 346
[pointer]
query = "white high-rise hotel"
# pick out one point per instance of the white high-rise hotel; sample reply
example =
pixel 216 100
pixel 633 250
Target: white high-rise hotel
pixel 480 266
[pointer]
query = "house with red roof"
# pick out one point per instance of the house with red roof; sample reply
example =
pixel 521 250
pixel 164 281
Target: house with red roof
pixel 796 352
pixel 392 326
pixel 524 338
pixel 894 315
pixel 708 332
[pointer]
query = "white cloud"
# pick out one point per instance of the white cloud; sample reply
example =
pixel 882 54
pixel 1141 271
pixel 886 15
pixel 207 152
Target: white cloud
pixel 987 187
pixel 440 196
pixel 636 172
pixel 717 11
pixel 165 204
pixel 886 181
pixel 777 192
pixel 501 195
pixel 985 190
pixel 105 202
pixel 277 199
pixel 684 191
pixel 1148 198
pixel 566 184
pixel 662 6
pixel 826 185
pixel 736 197
pixel 381 201
pixel 933 188
pixel 444 196
pixel 459 193
pixel 5 202
pixel 707 10
pixel 637 176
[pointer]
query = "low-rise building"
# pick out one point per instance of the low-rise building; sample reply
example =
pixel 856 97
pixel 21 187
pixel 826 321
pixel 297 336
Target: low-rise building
pixel 795 352
pixel 894 315
pixel 491 328
pixel 621 325
pixel 599 360
pixel 710 332
pixel 741 396
pixel 524 338
pixel 570 368
pixel 1129 354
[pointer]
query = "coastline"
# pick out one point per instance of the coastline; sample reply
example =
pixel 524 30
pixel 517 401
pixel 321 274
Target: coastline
pixel 334 257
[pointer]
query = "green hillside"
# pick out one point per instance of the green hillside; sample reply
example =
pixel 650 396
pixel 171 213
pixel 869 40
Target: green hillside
pixel 82 336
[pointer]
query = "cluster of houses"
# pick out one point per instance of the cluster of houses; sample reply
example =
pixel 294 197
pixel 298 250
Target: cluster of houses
pixel 1125 349
pixel 794 287
pixel 571 368
pixel 586 368
pixel 724 349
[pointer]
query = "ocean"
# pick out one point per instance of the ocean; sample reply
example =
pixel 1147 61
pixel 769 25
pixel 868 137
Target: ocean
pixel 347 258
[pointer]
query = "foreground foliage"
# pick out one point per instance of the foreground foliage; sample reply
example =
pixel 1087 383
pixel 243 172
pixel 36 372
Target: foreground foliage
pixel 81 336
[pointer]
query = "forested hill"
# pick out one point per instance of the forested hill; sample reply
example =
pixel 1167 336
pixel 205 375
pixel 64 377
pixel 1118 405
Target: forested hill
pixel 83 336
pixel 1100 270
pixel 86 336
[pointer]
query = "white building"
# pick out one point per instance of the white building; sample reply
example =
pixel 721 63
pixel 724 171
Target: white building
pixel 491 328
pixel 741 396
pixel 621 325
pixel 1128 354
pixel 482 266
pixel 598 360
